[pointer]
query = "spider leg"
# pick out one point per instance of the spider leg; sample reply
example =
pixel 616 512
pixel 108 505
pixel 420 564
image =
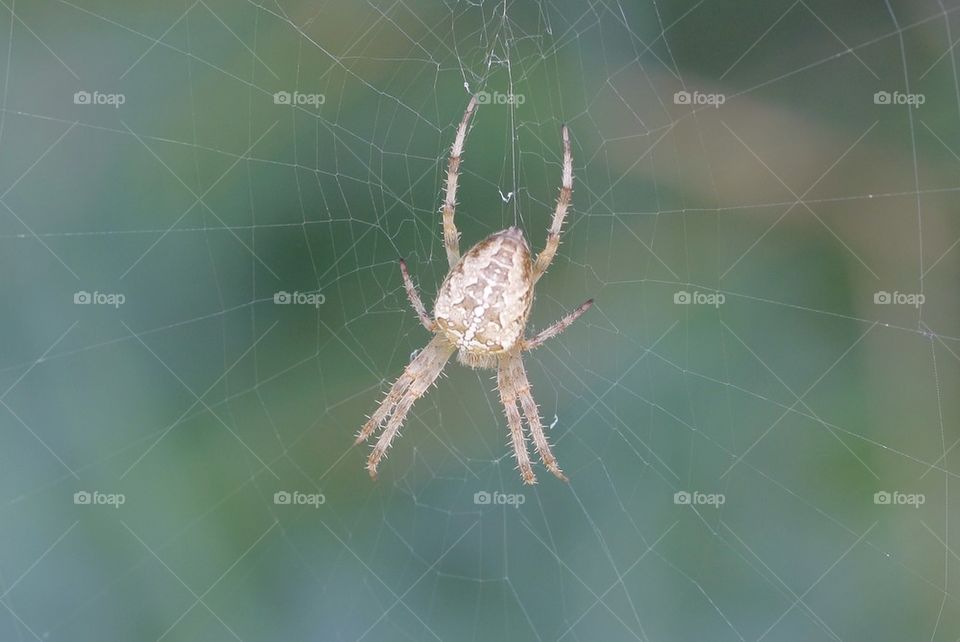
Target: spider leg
pixel 451 237
pixel 380 415
pixel 522 387
pixel 563 202
pixel 548 333
pixel 415 298
pixel 508 395
pixel 397 391
pixel 422 372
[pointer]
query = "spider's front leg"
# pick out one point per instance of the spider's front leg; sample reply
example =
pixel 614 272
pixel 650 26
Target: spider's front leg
pixel 451 237
pixel 563 202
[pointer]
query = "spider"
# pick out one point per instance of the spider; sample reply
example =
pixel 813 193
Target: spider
pixel 481 311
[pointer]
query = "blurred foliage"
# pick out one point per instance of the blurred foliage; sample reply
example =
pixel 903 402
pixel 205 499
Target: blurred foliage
pixel 798 199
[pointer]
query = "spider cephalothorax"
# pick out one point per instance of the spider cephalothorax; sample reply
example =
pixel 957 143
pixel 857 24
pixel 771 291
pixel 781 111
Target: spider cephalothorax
pixel 481 312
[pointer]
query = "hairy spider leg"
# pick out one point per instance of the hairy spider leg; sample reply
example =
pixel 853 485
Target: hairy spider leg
pixel 508 395
pixel 548 333
pixel 415 298
pixel 451 237
pixel 421 373
pixel 513 366
pixel 563 202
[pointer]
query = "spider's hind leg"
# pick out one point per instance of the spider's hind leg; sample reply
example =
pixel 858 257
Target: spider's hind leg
pixel 508 395
pixel 415 380
pixel 380 415
pixel 518 375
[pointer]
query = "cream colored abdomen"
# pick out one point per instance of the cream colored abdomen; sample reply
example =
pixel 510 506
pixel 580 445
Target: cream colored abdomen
pixel 483 304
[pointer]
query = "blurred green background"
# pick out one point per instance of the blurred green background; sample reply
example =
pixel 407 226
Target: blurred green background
pixel 781 465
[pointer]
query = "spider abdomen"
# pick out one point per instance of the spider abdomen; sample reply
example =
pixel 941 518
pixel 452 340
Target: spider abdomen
pixel 484 302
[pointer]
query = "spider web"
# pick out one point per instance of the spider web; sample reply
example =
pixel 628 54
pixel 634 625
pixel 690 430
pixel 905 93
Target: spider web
pixel 759 418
